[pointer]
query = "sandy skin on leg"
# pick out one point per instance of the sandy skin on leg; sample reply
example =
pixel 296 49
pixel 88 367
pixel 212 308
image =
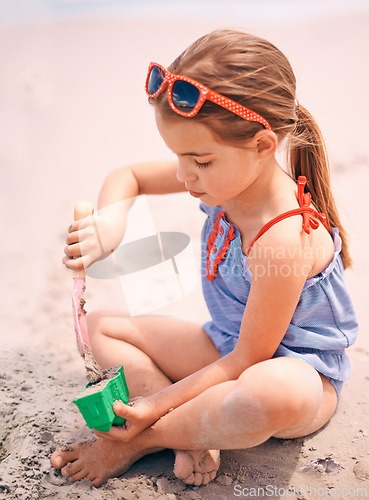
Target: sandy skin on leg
pixel 283 396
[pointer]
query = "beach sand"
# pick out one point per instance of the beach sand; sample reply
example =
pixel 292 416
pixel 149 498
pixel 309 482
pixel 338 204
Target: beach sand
pixel 72 109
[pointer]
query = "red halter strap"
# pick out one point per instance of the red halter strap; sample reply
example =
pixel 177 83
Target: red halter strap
pixel 308 223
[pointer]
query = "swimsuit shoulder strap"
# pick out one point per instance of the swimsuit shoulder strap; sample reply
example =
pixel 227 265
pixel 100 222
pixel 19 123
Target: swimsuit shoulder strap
pixel 308 223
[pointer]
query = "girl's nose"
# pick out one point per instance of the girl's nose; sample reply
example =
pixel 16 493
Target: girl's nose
pixel 185 171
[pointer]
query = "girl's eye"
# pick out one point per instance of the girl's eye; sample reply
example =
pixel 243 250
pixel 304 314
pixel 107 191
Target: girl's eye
pixel 202 165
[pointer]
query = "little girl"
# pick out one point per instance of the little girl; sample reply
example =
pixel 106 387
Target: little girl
pixel 272 361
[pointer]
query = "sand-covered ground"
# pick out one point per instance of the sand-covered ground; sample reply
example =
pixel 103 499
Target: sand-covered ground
pixel 73 108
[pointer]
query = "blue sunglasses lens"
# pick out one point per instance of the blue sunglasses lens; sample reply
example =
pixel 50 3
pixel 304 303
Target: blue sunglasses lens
pixel 185 95
pixel 156 78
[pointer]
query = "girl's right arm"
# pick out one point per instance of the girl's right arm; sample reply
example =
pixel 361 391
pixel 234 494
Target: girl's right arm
pixel 97 236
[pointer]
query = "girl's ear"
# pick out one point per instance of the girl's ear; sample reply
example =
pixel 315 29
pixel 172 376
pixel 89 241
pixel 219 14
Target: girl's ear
pixel 266 143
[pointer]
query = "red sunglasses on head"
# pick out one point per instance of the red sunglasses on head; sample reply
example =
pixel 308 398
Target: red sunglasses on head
pixel 186 96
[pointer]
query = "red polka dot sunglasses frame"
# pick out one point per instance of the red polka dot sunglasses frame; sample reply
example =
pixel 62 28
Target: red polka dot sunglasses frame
pixel 186 96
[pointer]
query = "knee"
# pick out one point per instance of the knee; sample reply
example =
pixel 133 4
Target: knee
pixel 111 324
pixel 94 323
pixel 273 399
pixel 243 410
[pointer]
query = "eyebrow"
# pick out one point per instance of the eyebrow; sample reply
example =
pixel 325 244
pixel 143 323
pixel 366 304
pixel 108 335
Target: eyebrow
pixel 195 154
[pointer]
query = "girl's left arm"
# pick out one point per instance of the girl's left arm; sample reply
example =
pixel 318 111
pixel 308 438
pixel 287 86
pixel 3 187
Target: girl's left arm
pixel 277 283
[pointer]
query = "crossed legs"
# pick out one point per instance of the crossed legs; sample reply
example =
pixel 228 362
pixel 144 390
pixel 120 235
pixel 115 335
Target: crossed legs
pixel 282 397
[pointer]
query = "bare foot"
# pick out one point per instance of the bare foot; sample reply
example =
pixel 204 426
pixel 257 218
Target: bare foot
pixel 196 467
pixel 96 460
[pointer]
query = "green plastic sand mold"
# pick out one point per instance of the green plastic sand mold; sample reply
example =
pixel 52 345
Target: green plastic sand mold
pixel 97 408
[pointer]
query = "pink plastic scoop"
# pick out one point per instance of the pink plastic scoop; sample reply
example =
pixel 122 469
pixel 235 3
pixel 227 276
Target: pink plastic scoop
pixel 82 209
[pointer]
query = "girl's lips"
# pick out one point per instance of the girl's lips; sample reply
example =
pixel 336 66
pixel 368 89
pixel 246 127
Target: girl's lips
pixel 195 194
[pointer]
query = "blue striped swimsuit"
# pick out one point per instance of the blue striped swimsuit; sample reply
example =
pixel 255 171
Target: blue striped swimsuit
pixel 324 322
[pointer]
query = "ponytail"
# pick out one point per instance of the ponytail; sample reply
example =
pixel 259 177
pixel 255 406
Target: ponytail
pixel 308 157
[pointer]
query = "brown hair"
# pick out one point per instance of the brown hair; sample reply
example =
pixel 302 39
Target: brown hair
pixel 255 73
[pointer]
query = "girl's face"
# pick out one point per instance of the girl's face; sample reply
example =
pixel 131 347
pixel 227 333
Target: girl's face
pixel 216 173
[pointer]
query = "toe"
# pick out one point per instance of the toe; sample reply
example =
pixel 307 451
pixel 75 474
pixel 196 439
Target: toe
pixel 61 457
pixel 97 481
pixel 77 476
pixel 71 469
pixel 190 479
pixel 205 478
pixel 212 475
pixel 198 479
pixel 57 459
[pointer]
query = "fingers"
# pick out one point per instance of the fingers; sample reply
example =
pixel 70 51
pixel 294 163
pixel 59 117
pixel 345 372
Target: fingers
pixel 130 429
pixel 115 434
pixel 122 410
pixel 80 234
pixel 81 224
pixel 82 244
pixel 73 258
pixel 75 264
pixel 72 237
pixel 73 251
